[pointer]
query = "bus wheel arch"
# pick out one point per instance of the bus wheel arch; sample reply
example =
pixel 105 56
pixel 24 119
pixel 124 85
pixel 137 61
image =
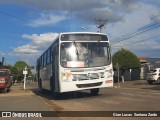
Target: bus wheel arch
pixel 150 82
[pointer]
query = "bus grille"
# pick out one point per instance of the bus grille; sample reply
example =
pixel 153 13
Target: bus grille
pixel 81 77
pixel 89 85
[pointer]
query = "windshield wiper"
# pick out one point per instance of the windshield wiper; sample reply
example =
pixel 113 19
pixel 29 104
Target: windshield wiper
pixel 98 45
pixel 74 43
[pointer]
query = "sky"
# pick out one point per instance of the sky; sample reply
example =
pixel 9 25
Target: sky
pixel 28 27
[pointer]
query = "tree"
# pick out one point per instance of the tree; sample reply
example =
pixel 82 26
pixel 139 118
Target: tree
pixel 126 59
pixel 17 70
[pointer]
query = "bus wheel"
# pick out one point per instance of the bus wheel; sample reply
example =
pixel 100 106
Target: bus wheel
pixel 150 82
pixel 56 95
pixel 52 85
pixel 94 91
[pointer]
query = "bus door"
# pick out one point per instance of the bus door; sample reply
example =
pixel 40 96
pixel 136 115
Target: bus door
pixel 38 73
pixel 55 69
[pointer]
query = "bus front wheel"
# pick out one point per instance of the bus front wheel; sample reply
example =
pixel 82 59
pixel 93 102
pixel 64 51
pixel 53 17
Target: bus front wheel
pixel 94 91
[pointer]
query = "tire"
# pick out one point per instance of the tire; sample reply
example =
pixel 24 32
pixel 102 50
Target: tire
pixel 56 95
pixel 52 84
pixel 52 88
pixel 4 90
pixel 150 82
pixel 94 92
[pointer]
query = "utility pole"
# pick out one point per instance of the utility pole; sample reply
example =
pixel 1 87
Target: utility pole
pixel 101 24
pixel 25 72
pixel 2 61
pixel 117 66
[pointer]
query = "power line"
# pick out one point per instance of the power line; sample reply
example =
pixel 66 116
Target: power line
pixel 125 37
pixel 138 20
pixel 140 41
pixel 24 20
pixel 13 16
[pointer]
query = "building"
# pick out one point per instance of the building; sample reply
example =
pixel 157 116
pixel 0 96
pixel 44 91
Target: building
pixel 147 64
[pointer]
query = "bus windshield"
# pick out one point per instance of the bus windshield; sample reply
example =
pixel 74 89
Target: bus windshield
pixel 85 54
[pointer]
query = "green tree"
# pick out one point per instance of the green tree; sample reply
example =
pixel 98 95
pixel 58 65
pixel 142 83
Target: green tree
pixel 17 70
pixel 126 60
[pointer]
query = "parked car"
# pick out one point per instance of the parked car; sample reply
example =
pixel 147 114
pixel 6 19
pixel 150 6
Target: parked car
pixel 153 76
pixel 5 79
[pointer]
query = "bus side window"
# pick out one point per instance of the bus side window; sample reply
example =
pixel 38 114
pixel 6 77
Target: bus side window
pixel 55 48
pixel 41 64
pixel 44 59
pixel 48 57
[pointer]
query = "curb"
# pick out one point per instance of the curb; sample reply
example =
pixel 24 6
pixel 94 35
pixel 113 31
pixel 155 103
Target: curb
pixel 15 94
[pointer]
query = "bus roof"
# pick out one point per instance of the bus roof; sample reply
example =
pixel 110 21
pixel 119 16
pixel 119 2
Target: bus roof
pixel 83 36
pixel 82 33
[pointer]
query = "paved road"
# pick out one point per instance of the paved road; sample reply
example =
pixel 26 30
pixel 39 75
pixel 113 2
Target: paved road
pixel 131 96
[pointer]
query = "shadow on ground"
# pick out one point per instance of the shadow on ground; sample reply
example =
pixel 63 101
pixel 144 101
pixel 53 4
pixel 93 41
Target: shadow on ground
pixel 154 87
pixel 61 96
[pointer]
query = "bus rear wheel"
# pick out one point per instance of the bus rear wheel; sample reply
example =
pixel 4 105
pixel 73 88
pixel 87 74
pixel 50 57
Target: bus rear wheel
pixel 150 82
pixel 94 91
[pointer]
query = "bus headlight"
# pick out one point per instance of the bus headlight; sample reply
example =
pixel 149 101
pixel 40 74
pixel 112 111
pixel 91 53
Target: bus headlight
pixel 110 73
pixel 67 76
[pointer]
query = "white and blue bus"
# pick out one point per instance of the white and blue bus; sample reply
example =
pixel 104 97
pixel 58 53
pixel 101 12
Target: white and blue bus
pixel 76 61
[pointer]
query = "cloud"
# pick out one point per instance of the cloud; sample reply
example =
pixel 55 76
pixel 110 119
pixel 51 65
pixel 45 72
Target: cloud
pixel 138 31
pixel 47 19
pixel 41 40
pixel 2 53
pixel 124 17
pixel 112 10
pixel 26 49
pixel 37 45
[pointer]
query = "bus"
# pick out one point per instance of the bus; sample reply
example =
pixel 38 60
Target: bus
pixel 76 61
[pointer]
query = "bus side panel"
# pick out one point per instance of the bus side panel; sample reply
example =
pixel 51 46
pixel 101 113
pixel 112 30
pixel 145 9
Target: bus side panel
pixel 47 73
pixel 54 82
